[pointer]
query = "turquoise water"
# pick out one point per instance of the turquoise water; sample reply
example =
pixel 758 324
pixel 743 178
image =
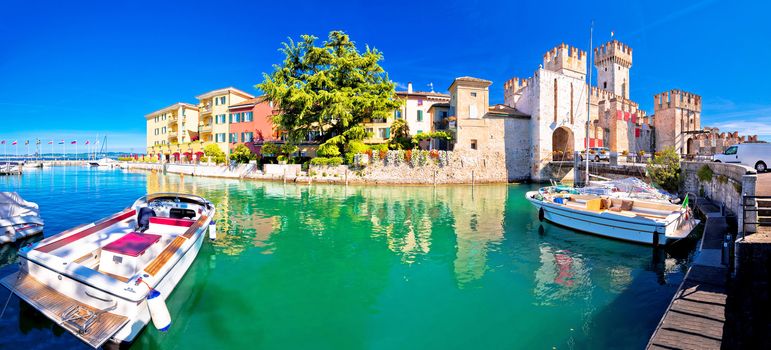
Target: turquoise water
pixel 334 267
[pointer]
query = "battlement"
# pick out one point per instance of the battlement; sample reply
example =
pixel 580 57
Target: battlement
pixel 514 84
pixel 676 98
pixel 598 94
pixel 613 52
pixel 567 60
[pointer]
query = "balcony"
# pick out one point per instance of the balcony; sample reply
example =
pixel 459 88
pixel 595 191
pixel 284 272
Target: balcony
pixel 205 128
pixel 173 120
pixel 204 109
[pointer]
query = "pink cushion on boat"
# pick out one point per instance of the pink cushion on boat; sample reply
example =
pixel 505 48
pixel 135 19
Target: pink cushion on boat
pixel 172 222
pixel 132 244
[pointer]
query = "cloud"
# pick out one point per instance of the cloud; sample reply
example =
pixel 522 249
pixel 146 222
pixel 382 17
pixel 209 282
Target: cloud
pixel 746 119
pixel 400 86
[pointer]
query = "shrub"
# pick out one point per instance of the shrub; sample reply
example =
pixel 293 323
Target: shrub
pixel 215 153
pixel 242 154
pixel 705 173
pixel 623 153
pixel 288 149
pixel 664 169
pixel 328 150
pixel 335 161
pixel 331 161
pixel 269 149
pixel 353 148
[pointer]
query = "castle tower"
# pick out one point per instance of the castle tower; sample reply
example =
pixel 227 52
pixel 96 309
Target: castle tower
pixel 566 60
pixel 613 61
pixel 677 113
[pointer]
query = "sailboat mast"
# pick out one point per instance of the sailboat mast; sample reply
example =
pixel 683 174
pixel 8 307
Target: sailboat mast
pixel 588 103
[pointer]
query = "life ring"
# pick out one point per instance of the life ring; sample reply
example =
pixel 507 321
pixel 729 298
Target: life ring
pixel 540 214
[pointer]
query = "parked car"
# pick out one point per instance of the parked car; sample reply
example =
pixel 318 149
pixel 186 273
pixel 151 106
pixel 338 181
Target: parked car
pixel 756 155
pixel 597 154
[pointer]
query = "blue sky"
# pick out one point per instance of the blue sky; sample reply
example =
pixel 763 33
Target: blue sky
pixel 72 70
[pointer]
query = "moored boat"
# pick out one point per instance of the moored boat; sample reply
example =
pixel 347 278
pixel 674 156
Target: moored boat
pixel 106 280
pixel 104 162
pixel 18 218
pixel 634 220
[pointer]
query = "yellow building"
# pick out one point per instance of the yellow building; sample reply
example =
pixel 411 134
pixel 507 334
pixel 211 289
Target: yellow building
pixel 416 111
pixel 171 125
pixel 214 123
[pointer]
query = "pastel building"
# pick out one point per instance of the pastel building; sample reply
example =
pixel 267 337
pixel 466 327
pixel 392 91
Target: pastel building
pixel 416 111
pixel 250 121
pixel 213 110
pixel 174 124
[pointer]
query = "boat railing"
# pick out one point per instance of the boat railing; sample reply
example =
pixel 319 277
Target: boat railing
pixel 750 205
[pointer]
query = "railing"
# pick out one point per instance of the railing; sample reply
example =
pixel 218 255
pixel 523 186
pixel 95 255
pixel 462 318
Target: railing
pixel 206 128
pixel 752 207
pixel 205 108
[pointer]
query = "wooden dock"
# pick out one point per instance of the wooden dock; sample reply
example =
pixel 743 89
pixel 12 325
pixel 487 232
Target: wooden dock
pixel 55 306
pixel 696 318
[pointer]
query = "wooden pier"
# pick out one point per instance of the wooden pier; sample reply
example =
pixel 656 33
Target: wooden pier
pixel 696 316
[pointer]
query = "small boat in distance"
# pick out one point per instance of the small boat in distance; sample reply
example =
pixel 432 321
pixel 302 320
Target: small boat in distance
pixel 18 218
pixel 106 280
pixel 104 162
pixel 634 220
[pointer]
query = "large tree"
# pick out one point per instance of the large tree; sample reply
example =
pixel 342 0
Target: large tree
pixel 329 88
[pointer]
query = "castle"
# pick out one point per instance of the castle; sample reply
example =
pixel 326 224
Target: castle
pixel 544 117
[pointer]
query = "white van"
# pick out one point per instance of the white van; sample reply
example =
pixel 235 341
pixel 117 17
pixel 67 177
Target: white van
pixel 756 155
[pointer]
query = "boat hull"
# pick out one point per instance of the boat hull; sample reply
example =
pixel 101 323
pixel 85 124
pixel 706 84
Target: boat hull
pixel 603 224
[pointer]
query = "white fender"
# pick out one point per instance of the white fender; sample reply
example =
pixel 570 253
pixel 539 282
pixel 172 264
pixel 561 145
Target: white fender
pixel 212 230
pixel 158 311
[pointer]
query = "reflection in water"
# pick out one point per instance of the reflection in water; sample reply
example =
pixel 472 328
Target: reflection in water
pixel 394 267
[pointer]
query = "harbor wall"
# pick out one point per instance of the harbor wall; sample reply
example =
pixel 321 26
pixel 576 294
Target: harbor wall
pixel 727 185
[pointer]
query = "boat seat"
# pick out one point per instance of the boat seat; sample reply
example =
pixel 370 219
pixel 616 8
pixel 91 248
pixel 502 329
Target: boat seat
pixel 170 225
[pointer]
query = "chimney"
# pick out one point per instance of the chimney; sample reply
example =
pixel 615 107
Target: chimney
pixel 409 87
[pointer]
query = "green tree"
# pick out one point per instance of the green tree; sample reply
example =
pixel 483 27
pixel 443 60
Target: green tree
pixel 327 89
pixel 216 154
pixel 664 170
pixel 400 135
pixel 242 154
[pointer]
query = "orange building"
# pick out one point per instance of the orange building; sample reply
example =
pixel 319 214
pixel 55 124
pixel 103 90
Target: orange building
pixel 250 122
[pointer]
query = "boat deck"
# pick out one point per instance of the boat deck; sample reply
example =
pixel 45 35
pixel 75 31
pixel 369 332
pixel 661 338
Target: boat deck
pixel 56 305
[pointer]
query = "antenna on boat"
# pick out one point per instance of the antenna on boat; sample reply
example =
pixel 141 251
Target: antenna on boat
pixel 588 104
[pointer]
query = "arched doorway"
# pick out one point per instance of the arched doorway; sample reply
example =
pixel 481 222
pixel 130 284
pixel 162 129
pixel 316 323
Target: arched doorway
pixel 689 147
pixel 562 143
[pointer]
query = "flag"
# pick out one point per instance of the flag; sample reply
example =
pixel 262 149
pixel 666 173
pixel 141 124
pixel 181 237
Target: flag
pixel 2 142
pixel 73 142
pixel 14 142
pixel 51 142
pixel 87 142
pixel 61 142
pixel 685 201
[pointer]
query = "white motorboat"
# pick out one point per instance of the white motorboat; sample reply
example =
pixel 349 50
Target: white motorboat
pixel 634 220
pixel 33 164
pixel 106 280
pixel 18 218
pixel 104 162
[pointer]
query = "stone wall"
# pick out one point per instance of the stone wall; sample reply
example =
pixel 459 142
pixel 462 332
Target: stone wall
pixel 465 166
pixel 729 182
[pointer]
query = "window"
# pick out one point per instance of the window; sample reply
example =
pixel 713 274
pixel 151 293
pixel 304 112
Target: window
pixel 222 100
pixel 444 114
pixel 247 136
pixel 381 133
pixel 233 137
pixel 731 150
pixel 369 131
pixel 472 111
pixel 473 144
pixel 420 115
pixel 163 130
pixel 604 84
pixel 219 137
pixel 473 94
pixel 248 116
pixel 398 114
pixel 420 131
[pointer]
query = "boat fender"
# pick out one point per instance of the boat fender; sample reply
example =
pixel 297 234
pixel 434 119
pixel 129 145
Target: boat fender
pixel 158 311
pixel 212 230
pixel 540 214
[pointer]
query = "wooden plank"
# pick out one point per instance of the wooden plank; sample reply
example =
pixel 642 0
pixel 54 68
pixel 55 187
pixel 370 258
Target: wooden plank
pixel 191 231
pixel 54 305
pixel 119 278
pixel 165 255
pixel 87 232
